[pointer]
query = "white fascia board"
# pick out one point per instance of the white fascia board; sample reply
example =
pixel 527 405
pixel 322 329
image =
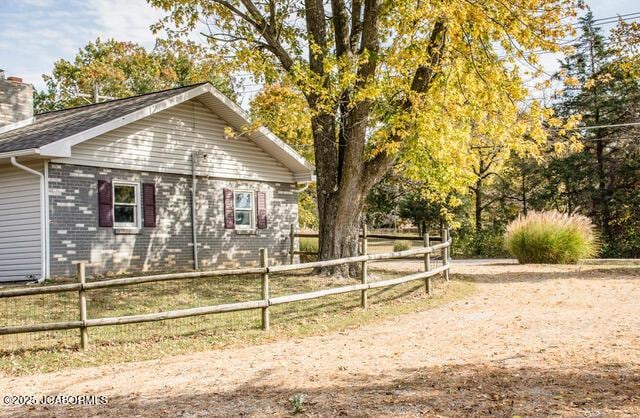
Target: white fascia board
pixel 35 152
pixel 19 153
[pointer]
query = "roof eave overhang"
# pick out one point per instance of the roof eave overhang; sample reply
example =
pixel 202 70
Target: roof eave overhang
pixel 37 152
pixel 18 153
pixel 33 152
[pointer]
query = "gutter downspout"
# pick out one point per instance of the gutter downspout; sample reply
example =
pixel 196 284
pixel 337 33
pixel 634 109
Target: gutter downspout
pixel 194 183
pixel 43 252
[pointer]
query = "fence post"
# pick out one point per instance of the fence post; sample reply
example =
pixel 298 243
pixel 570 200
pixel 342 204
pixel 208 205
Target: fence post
pixel 445 254
pixel 81 275
pixel 292 247
pixel 264 262
pixel 364 274
pixel 427 264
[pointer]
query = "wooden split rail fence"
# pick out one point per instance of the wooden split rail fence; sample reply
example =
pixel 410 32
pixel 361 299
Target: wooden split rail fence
pixel 82 287
pixel 363 236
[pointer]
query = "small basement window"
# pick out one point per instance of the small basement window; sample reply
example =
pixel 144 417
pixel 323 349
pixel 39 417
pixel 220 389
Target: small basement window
pixel 126 205
pixel 243 209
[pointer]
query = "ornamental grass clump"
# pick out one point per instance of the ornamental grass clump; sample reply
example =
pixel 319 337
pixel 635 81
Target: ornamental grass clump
pixel 551 238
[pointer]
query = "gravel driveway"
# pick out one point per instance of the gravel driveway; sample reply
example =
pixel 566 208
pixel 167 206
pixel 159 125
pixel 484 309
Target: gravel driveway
pixel 532 341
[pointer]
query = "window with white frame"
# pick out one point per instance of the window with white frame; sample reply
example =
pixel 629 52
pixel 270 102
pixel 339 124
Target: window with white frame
pixel 243 209
pixel 126 205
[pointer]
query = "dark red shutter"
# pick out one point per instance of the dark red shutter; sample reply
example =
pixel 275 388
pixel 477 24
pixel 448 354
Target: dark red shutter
pixel 105 204
pixel 149 204
pixel 229 215
pixel 261 199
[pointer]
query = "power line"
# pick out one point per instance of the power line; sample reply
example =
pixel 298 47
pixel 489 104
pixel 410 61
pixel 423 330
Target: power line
pixel 615 125
pixel 612 17
pixel 630 17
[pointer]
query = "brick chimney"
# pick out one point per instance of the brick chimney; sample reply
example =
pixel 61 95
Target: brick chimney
pixel 16 100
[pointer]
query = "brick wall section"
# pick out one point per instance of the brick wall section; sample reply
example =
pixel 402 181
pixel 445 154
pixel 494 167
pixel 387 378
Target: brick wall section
pixel 75 234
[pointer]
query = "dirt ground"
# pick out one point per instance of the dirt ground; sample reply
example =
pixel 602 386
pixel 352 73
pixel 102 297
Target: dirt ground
pixel 532 341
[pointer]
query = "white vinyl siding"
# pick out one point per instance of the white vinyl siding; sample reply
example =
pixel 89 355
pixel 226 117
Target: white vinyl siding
pixel 164 142
pixel 20 233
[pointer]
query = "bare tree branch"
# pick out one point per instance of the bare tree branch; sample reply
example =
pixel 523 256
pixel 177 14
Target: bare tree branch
pixel 254 17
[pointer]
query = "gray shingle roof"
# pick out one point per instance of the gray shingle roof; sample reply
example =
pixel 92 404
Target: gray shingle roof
pixel 53 126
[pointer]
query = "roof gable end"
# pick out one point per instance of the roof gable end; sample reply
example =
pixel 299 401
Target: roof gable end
pixel 54 133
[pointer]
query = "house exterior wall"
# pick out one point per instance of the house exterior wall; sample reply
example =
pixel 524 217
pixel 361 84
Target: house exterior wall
pixel 165 141
pixel 76 236
pixel 20 223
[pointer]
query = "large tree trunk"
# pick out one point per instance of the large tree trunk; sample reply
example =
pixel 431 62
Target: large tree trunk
pixel 349 33
pixel 339 232
pixel 342 191
pixel 344 172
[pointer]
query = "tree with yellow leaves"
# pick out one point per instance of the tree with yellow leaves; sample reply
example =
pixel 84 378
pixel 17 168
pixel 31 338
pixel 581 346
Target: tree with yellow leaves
pixel 388 83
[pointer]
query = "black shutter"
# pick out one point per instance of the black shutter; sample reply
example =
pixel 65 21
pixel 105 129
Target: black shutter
pixel 105 204
pixel 149 204
pixel 261 204
pixel 229 214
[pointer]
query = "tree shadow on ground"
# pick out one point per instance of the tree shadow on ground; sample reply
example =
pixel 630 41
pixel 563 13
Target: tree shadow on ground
pixel 596 274
pixel 452 390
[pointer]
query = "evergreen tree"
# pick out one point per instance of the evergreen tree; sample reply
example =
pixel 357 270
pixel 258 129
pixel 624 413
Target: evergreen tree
pixel 600 180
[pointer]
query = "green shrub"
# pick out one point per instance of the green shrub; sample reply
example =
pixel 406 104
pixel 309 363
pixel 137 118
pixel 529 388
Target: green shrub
pixel 551 237
pixel 468 243
pixel 401 245
pixel 308 245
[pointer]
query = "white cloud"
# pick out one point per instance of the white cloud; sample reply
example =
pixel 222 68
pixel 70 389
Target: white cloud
pixel 36 33
pixel 124 19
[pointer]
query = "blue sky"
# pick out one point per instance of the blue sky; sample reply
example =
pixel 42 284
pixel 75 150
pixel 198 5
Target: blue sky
pixel 35 33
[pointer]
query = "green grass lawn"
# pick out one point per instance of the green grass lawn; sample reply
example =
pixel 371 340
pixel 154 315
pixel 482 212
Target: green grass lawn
pixel 48 351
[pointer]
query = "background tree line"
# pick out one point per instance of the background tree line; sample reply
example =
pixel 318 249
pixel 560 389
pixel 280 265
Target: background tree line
pixel 469 148
pixel 601 179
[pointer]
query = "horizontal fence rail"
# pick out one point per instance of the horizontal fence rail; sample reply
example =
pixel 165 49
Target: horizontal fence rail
pixel 82 287
pixel 30 291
